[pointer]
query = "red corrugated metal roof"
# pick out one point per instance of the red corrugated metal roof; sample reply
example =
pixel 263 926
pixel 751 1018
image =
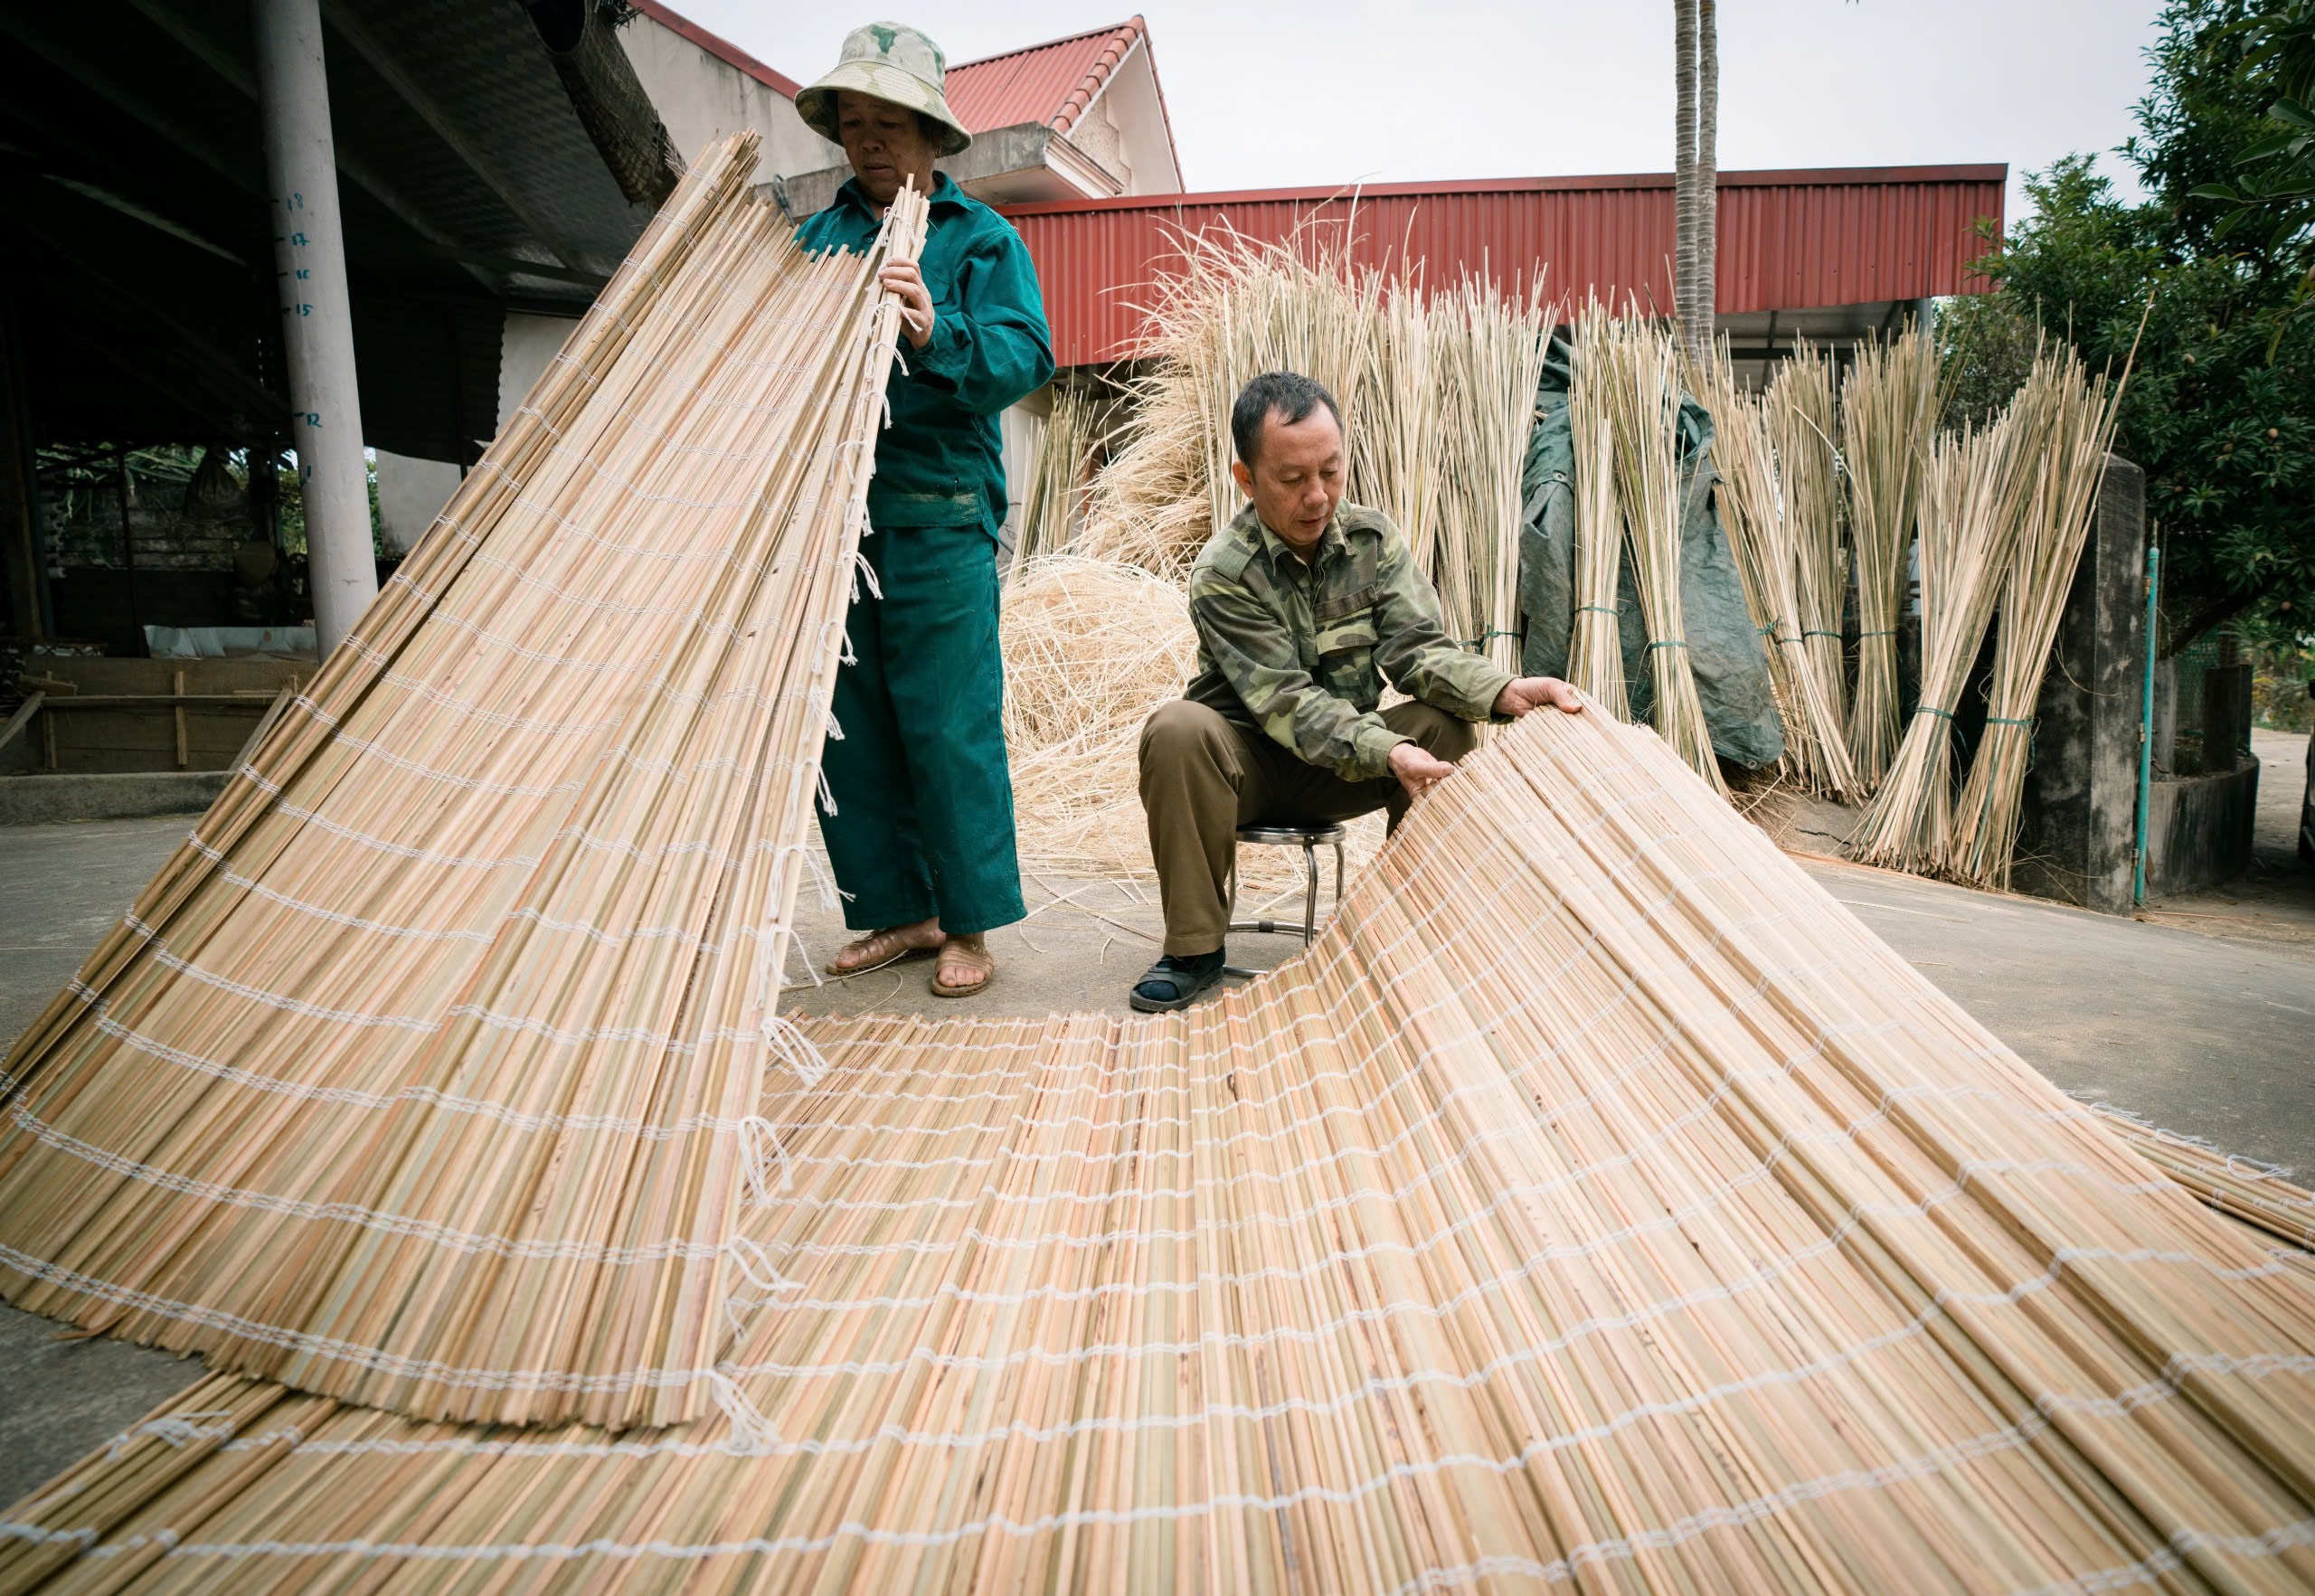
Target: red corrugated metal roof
pixel 1788 241
pixel 1049 83
pixel 715 45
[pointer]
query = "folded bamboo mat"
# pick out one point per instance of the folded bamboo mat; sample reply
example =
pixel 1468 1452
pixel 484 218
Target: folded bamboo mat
pixel 1597 1202
pixel 421 1075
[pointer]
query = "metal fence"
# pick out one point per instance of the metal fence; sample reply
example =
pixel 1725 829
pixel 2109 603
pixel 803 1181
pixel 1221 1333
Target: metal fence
pixel 2208 693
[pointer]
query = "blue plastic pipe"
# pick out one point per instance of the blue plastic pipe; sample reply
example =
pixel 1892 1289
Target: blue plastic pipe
pixel 2146 732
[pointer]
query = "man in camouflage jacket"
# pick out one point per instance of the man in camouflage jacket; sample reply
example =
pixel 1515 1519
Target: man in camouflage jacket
pixel 1303 605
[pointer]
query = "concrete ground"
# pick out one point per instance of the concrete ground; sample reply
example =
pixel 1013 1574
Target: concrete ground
pixel 2191 1024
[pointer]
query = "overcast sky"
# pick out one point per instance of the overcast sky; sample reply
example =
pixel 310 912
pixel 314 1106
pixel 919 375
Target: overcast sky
pixel 1264 93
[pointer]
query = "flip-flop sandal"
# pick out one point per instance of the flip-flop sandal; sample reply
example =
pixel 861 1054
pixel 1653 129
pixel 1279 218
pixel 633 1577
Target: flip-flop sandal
pixel 984 962
pixel 883 947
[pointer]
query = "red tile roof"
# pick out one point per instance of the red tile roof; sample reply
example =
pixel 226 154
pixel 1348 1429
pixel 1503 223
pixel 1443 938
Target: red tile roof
pixel 1051 83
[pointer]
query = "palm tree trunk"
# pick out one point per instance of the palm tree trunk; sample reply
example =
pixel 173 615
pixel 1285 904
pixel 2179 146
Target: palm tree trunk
pixel 1684 165
pixel 1706 238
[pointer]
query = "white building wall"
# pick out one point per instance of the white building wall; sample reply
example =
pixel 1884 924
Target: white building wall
pixel 525 345
pixel 1133 122
pixel 411 493
pixel 701 98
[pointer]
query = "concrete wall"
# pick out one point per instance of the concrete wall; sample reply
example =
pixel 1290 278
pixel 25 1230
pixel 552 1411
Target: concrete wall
pixel 701 97
pixel 526 346
pixel 1125 127
pixel 2079 828
pixel 411 493
pixel 2199 829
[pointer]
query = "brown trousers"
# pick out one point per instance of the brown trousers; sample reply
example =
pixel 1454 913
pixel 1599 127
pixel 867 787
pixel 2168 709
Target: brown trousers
pixel 1203 777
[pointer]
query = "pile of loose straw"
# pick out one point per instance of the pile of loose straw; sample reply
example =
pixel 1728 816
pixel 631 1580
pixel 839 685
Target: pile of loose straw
pixel 1092 647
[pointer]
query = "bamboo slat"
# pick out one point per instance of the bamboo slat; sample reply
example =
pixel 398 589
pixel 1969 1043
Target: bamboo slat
pixel 1596 1204
pixel 422 1075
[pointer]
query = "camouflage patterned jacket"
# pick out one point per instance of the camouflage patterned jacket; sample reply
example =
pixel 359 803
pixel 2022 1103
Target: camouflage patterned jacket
pixel 1299 652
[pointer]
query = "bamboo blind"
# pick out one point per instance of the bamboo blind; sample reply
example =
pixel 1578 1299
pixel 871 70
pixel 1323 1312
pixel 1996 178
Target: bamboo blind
pixel 423 1074
pixel 1597 1202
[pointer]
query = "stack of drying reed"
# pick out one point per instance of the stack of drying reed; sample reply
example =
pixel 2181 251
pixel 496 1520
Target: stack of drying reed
pixel 2004 511
pixel 1598 1204
pixel 1624 412
pixel 1437 388
pixel 424 1074
pixel 1760 535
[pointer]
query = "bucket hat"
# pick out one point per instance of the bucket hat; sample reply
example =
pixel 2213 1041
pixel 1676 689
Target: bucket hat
pixel 892 62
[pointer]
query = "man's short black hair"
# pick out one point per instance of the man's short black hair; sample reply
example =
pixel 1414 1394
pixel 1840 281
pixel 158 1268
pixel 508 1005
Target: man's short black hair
pixel 1289 395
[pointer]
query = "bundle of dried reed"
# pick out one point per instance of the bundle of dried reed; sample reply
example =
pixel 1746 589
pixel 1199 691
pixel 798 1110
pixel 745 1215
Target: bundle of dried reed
pixel 1639 369
pixel 2077 427
pixel 1488 355
pixel 1595 655
pixel 1232 309
pixel 1799 404
pixel 424 1073
pixel 1816 746
pixel 1598 1204
pixel 1975 491
pixel 1436 393
pixel 1890 402
pixel 1055 506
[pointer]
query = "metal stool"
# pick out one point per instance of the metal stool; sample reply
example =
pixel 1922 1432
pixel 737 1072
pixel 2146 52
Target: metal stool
pixel 1310 839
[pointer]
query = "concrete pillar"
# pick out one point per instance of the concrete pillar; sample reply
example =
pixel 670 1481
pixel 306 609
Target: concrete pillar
pixel 2081 809
pixel 317 316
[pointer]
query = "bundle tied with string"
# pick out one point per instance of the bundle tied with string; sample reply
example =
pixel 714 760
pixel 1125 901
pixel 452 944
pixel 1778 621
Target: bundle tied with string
pixel 1974 496
pixel 1888 412
pixel 422 1075
pixel 1595 657
pixel 1799 404
pixel 1054 507
pixel 1637 371
pixel 2077 414
pixel 1816 747
pixel 1437 389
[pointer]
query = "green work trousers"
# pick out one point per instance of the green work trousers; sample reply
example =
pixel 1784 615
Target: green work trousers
pixel 923 819
pixel 1201 778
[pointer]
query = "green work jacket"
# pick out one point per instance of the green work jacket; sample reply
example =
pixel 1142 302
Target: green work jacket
pixel 941 462
pixel 1298 652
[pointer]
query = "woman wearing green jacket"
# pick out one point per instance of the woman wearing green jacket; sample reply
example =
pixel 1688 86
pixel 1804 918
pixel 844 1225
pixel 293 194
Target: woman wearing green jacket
pixel 920 831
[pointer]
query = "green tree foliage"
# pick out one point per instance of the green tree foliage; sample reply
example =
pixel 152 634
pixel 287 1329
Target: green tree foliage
pixel 2220 408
